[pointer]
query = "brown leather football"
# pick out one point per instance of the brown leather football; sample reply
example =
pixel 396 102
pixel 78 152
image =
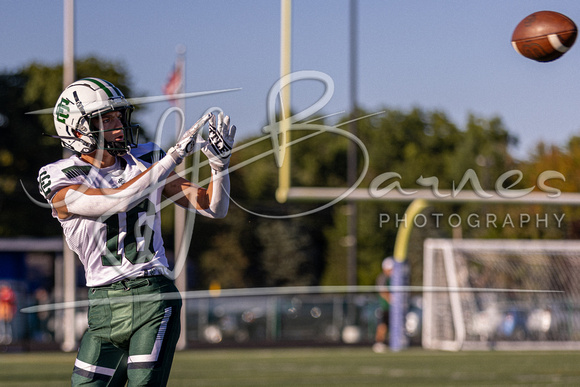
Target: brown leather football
pixel 544 36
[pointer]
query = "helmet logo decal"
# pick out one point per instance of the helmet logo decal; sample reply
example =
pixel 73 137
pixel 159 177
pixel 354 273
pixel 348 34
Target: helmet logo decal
pixel 79 103
pixel 62 110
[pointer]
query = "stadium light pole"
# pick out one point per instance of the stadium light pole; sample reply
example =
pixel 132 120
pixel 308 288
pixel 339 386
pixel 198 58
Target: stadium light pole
pixel 352 165
pixel 69 278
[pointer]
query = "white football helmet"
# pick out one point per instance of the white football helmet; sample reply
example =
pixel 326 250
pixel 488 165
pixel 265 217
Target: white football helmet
pixel 84 100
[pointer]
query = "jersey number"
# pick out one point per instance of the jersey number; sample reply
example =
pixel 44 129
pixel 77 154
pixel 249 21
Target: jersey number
pixel 136 233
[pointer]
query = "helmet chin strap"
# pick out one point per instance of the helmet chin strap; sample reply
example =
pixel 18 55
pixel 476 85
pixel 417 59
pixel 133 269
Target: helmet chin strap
pixel 115 149
pixel 120 148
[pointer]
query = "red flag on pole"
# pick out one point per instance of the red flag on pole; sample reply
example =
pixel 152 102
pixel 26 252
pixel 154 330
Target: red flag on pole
pixel 175 82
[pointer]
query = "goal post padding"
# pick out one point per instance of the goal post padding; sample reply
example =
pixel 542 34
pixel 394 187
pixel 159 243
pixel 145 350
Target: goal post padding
pixel 501 294
pixel 398 302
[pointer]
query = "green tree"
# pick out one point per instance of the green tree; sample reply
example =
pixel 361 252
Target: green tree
pixel 566 161
pixel 259 243
pixel 44 83
pixel 24 149
pixel 414 144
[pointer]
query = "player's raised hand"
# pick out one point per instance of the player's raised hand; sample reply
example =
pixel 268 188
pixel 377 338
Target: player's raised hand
pixel 218 146
pixel 187 144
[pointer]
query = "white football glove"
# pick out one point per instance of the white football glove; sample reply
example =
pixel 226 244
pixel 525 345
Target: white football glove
pixel 218 146
pixel 187 144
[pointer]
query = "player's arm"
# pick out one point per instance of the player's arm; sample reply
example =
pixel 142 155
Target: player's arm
pixel 383 288
pixel 212 201
pixel 94 202
pixel 386 296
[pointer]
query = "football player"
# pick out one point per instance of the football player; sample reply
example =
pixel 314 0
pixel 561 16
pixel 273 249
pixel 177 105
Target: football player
pixel 383 282
pixel 107 198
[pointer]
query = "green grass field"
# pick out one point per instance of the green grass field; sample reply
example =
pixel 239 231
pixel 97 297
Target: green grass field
pixel 325 367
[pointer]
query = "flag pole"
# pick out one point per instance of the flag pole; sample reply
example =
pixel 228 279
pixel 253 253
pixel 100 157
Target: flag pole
pixel 180 213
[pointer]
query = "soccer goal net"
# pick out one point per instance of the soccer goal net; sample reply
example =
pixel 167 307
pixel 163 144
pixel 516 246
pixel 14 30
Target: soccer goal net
pixel 501 294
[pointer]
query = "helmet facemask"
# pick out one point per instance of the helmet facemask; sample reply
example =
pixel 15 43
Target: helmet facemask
pixel 117 147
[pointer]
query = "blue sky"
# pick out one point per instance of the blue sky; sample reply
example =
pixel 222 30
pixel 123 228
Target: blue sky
pixel 450 55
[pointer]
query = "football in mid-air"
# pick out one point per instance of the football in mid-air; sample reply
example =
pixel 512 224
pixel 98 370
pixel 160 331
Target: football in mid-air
pixel 544 36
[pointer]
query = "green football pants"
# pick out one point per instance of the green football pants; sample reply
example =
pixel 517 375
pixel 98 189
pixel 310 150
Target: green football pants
pixel 133 329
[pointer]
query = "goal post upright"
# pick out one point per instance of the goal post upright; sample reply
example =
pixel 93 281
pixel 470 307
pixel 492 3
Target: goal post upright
pixel 397 339
pixel 285 99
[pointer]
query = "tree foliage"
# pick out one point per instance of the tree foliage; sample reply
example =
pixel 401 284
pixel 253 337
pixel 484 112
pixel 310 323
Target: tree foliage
pixel 565 160
pixel 413 144
pixel 24 149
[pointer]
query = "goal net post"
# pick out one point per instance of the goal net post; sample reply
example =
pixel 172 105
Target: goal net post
pixel 501 294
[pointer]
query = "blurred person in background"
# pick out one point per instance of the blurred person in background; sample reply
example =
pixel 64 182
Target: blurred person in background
pixel 383 282
pixel 7 312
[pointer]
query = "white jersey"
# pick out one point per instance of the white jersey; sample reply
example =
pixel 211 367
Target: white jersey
pixel 118 246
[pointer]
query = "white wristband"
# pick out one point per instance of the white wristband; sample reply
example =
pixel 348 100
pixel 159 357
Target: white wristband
pixel 220 199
